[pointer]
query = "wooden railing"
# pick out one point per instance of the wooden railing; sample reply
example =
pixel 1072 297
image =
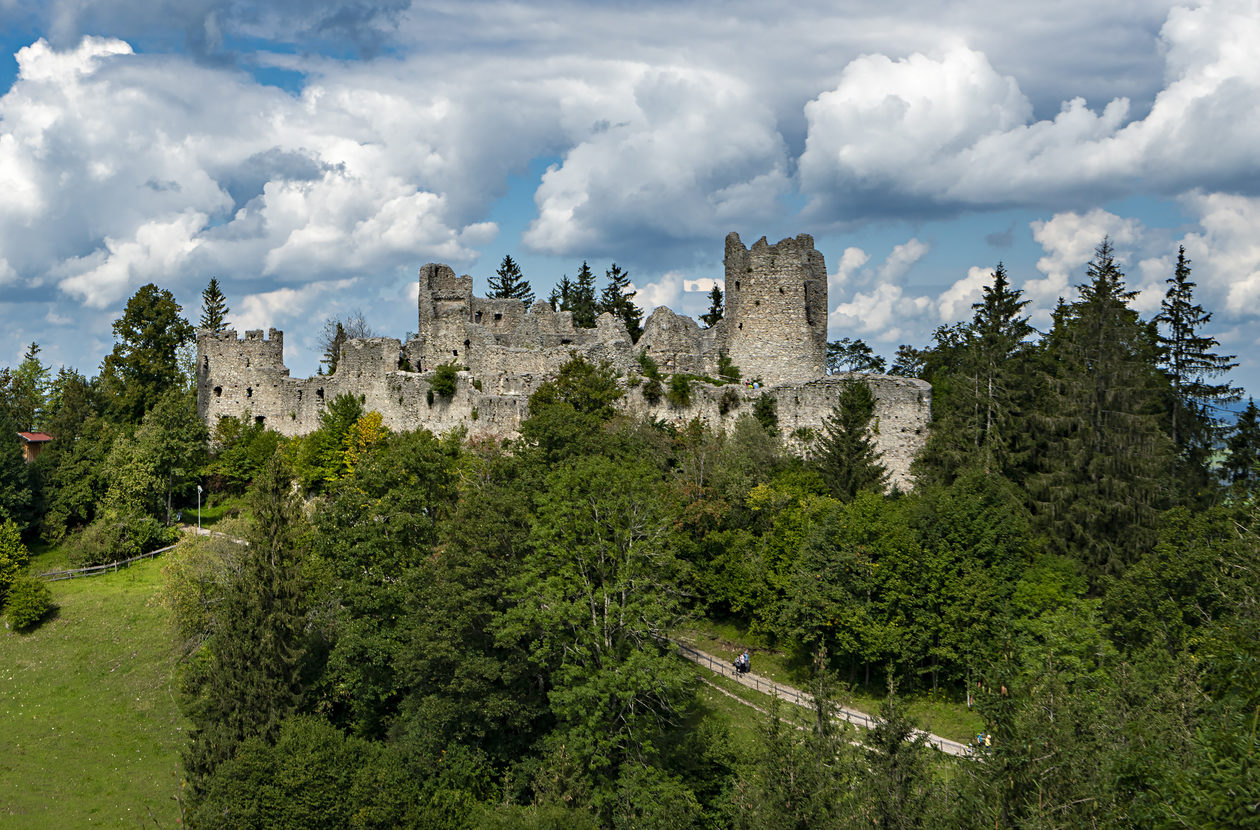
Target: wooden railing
pixel 97 570
pixel 798 698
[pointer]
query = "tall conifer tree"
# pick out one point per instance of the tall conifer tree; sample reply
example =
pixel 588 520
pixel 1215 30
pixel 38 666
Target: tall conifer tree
pixel 1191 364
pixel 618 300
pixel 1104 463
pixel 1242 464
pixel 582 298
pixel 979 376
pixel 716 308
pixel 251 682
pixel 847 458
pixel 510 284
pixel 214 308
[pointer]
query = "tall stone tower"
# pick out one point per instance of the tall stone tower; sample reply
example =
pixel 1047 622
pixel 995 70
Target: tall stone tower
pixel 776 309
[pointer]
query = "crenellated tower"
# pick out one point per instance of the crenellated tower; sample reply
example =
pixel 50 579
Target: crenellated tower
pixel 776 309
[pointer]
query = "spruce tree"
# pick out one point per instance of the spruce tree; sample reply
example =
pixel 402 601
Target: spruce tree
pixel 846 458
pixel 716 308
pixel 1191 365
pixel 1241 466
pixel 561 297
pixel 251 682
pixel 214 308
pixel 333 354
pixel 1104 460
pixel 978 375
pixel 510 284
pixel 582 298
pixel 618 300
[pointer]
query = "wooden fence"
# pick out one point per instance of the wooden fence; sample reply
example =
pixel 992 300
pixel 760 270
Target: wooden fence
pixel 97 570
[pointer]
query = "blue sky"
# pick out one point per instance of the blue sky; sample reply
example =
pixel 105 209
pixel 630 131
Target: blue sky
pixel 313 155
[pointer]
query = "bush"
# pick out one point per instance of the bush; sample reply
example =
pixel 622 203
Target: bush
pixel 115 536
pixel 726 368
pixel 651 370
pixel 444 378
pixel 29 602
pixel 766 411
pixel 728 400
pixel 652 390
pixel 679 390
pixel 13 556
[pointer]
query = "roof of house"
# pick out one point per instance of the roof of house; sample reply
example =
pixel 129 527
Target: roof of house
pixel 35 437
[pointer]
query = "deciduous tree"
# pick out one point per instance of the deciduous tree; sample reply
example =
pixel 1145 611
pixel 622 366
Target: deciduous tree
pixel 144 362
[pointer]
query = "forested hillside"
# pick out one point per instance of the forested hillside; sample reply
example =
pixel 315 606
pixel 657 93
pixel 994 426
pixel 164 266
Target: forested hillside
pixel 424 631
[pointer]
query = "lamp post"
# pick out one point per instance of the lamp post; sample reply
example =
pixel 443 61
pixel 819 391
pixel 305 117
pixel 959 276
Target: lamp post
pixel 198 509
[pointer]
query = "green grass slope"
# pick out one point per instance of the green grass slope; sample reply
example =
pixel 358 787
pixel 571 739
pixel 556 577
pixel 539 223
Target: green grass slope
pixel 89 729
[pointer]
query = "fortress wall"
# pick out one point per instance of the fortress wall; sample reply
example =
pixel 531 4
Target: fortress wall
pixel 903 409
pixel 675 342
pixel 776 309
pixel 774 329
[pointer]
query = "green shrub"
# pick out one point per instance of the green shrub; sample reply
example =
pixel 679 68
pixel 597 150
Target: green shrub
pixel 728 400
pixel 766 410
pixel 651 370
pixel 444 378
pixel 726 368
pixel 679 390
pixel 115 536
pixel 13 556
pixel 29 602
pixel 652 390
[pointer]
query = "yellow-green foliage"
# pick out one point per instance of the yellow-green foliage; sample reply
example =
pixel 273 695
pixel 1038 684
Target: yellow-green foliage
pixel 363 434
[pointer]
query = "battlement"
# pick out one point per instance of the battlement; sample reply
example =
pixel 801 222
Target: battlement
pixel 774 330
pixel 776 308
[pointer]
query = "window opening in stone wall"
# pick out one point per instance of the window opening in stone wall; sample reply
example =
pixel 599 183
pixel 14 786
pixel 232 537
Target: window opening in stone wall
pixel 260 420
pixel 205 364
pixel 249 391
pixel 319 393
pixel 497 316
pixel 247 363
pixel 736 285
pixel 477 317
pixel 565 342
pixel 780 289
pixel 467 346
pixel 218 391
pixel 455 352
pixel 741 326
pixel 299 395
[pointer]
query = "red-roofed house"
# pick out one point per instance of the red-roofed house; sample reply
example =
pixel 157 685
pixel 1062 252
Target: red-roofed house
pixel 33 443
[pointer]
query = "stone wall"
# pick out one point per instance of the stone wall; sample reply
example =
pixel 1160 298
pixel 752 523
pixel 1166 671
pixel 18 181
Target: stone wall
pixel 903 410
pixel 774 330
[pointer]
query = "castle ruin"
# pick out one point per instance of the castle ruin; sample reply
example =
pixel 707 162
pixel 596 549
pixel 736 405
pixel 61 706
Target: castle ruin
pixel 774 329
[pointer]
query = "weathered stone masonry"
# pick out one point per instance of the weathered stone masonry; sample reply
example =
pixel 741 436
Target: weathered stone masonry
pixel 774 330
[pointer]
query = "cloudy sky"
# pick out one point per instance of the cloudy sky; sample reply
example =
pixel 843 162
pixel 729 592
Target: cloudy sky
pixel 313 155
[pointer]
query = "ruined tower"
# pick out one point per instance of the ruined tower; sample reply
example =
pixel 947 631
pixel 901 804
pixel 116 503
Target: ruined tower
pixel 776 309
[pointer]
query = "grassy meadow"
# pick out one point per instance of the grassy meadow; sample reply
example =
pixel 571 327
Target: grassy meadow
pixel 91 731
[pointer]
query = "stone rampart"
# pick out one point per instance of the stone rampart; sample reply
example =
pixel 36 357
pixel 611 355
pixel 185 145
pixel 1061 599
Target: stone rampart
pixel 774 331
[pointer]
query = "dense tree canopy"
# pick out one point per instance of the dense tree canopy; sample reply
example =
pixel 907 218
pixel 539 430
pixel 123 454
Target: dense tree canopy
pixel 445 631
